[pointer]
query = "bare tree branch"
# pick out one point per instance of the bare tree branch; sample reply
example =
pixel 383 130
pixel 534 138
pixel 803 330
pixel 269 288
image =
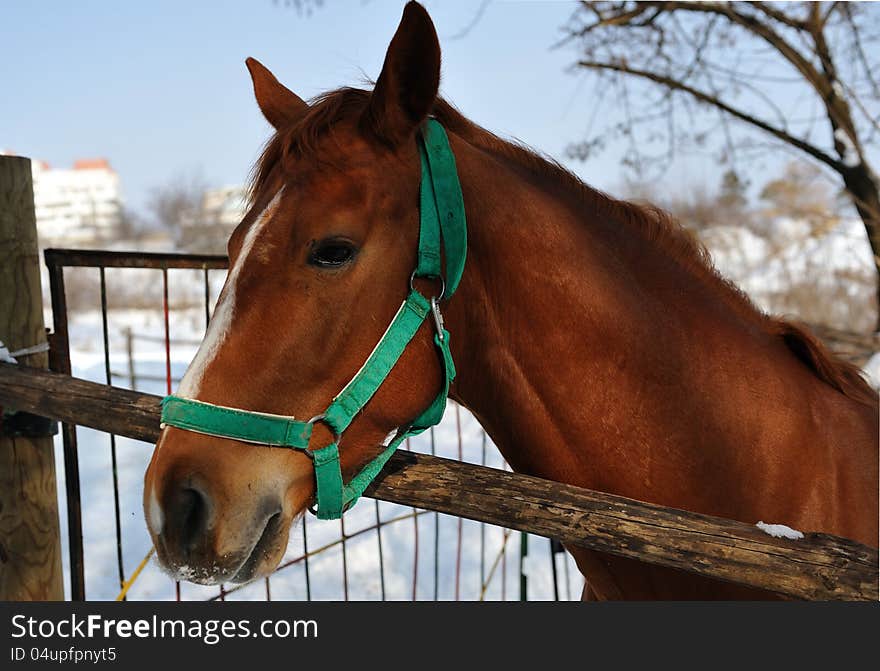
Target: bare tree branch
pixel 464 32
pixel 710 99
pixel 756 27
pixel 782 17
pixel 832 7
pixel 857 45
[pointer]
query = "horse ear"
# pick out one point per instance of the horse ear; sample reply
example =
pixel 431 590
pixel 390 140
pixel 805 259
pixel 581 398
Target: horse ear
pixel 407 88
pixel 279 105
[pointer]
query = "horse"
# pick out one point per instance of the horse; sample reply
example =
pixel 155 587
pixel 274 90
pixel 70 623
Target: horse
pixel 592 337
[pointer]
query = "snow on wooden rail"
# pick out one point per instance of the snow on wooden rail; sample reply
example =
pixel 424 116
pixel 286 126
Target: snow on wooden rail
pixel 818 566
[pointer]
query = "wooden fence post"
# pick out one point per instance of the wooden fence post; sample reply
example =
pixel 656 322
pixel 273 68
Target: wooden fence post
pixel 30 539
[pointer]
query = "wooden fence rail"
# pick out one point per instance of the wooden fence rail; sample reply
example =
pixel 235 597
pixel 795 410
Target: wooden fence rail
pixel 819 566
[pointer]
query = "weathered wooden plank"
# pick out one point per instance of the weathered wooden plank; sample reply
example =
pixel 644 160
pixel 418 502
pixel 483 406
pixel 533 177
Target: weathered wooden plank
pixel 126 413
pixel 30 537
pixel 818 567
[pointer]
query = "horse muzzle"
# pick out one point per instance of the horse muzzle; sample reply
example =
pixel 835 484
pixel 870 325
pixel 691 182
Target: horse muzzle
pixel 209 529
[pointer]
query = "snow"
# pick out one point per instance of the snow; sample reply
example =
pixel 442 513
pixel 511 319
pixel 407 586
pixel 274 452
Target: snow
pixel 765 265
pixel 790 252
pixel 5 356
pixel 850 154
pixel 822 273
pixel 780 531
pixel 872 370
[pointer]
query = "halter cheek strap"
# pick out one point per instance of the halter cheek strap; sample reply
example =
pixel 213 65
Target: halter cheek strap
pixel 442 236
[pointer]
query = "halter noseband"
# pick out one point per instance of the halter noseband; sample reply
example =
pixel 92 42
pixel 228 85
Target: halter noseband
pixel 442 226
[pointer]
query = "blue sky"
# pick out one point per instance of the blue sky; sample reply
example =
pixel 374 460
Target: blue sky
pixel 161 90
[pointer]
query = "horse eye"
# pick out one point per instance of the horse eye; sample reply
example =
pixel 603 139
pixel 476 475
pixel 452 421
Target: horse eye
pixel 332 253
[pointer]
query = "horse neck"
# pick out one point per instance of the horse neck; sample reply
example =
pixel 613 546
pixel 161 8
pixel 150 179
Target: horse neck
pixel 590 357
pixel 534 316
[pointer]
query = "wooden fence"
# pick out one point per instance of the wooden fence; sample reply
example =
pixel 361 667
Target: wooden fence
pixel 30 540
pixel 819 566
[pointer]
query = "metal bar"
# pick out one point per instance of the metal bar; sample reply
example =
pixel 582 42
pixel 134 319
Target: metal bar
pixel 207 298
pixel 460 520
pixel 381 556
pixel 268 589
pixel 145 378
pixel 152 338
pixel 305 561
pixel 61 364
pixel 415 580
pixel 555 549
pixel 483 524
pixel 165 310
pixel 507 533
pixel 565 563
pixel 554 571
pixel 344 560
pixel 113 462
pixel 504 569
pixel 436 531
pixel 523 553
pixel 111 259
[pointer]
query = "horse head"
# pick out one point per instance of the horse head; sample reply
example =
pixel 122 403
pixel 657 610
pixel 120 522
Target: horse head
pixel 318 269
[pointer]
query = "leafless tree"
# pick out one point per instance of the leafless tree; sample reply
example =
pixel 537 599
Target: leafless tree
pixel 129 224
pixel 799 76
pixel 178 204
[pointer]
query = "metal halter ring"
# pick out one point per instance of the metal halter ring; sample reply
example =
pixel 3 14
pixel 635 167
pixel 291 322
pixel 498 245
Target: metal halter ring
pixel 412 287
pixel 314 420
pixel 314 511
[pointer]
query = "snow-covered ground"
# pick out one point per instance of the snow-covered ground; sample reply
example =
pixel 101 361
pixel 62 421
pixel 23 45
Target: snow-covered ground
pixel 408 544
pixel 872 370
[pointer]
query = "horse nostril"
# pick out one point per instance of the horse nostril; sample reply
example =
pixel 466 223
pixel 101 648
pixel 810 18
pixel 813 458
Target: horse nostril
pixel 187 518
pixel 194 515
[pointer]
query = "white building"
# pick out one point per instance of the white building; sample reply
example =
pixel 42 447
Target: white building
pixel 77 206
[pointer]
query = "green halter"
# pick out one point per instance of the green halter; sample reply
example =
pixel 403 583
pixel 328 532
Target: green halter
pixel 442 218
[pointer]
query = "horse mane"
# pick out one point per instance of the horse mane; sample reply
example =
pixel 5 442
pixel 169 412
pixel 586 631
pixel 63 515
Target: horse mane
pixel 842 375
pixel 301 138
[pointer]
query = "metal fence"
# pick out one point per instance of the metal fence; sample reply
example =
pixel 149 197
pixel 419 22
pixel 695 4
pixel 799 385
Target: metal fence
pixel 503 562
